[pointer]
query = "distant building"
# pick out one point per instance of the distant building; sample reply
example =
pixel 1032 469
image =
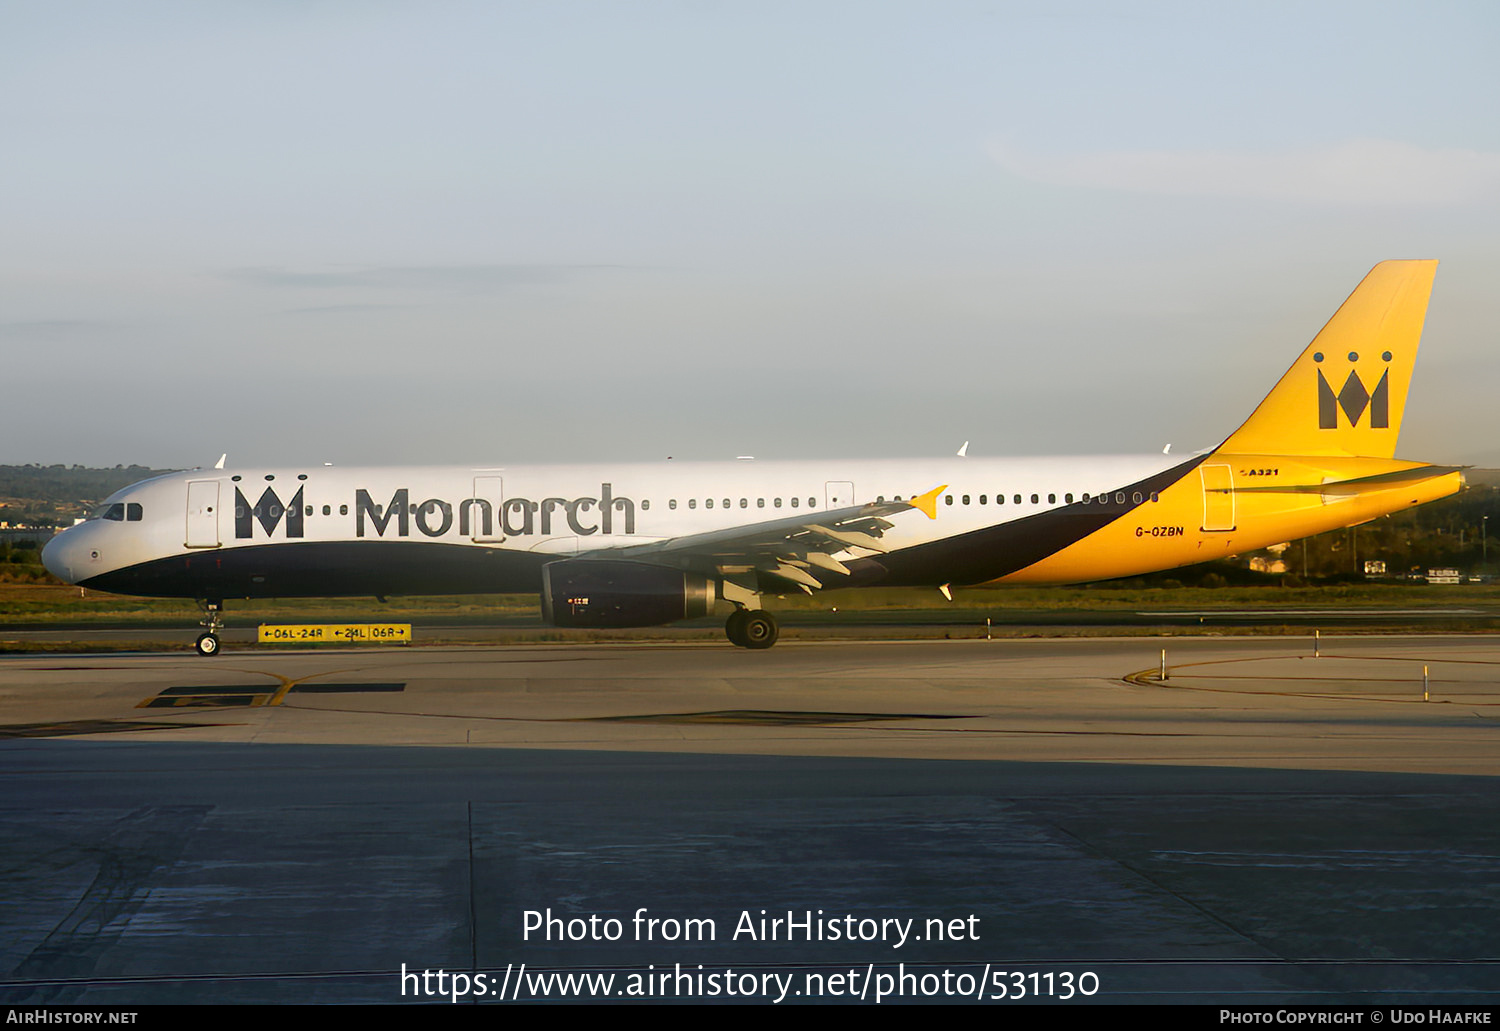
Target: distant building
pixel 1444 576
pixel 1374 567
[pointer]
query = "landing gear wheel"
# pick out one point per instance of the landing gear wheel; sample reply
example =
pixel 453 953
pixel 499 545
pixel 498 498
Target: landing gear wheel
pixel 759 630
pixel 734 628
pixel 213 621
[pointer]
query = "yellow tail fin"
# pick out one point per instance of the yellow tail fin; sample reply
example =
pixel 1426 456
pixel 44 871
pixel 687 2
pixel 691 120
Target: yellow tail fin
pixel 1346 393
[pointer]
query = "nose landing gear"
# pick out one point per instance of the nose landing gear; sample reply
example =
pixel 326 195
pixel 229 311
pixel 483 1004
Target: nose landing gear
pixel 213 618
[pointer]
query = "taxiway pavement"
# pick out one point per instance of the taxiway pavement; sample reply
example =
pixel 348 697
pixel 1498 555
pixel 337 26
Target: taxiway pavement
pixel 1265 825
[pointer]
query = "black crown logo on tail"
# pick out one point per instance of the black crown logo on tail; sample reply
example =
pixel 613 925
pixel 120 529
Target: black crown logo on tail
pixel 1354 398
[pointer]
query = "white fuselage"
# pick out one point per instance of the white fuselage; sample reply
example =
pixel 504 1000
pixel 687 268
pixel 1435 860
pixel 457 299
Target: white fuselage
pixel 560 510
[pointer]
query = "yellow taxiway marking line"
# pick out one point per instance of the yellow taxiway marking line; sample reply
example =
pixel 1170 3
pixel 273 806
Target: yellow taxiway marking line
pixel 261 697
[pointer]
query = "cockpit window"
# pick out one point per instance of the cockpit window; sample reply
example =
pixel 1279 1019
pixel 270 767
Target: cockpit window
pixel 119 512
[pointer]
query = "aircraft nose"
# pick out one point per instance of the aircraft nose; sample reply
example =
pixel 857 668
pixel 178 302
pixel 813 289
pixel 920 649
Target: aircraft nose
pixel 59 556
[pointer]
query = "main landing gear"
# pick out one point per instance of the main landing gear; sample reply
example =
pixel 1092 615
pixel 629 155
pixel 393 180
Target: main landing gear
pixel 752 628
pixel 213 618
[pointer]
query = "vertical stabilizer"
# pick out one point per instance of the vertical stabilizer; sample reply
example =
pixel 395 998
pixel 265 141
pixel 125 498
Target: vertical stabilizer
pixel 1346 393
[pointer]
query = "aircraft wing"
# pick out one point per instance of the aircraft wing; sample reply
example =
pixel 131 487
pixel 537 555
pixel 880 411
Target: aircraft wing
pixel 798 549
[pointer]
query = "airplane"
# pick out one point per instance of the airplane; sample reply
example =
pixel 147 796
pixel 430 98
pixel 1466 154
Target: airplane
pixel 627 545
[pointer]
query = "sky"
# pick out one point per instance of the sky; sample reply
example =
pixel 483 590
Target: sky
pixel 495 233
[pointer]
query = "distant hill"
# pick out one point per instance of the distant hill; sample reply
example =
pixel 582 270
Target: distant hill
pixel 55 495
pixel 69 482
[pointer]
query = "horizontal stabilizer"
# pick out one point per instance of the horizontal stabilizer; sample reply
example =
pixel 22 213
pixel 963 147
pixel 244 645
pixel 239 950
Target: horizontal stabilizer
pixel 1352 487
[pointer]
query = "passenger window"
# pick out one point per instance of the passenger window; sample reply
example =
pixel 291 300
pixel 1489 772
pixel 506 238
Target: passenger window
pixel 343 510
pixel 645 506
pixel 982 497
pixel 966 499
pixel 1017 499
pixel 692 503
pixel 1136 497
pixel 1035 499
pixel 1154 496
pixel 1051 499
pixel 947 499
pixel 760 502
pixel 794 502
pixel 709 503
pixel 327 510
pixel 672 504
pixel 1120 497
pixel 776 502
pixel 133 512
pixel 726 502
pixel 744 503
pixel 308 510
pixel 1068 498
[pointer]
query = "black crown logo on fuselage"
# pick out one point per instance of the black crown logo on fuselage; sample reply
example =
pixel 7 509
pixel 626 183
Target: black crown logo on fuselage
pixel 1354 397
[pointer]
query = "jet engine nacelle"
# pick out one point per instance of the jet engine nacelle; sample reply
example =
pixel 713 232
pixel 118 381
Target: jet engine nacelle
pixel 603 594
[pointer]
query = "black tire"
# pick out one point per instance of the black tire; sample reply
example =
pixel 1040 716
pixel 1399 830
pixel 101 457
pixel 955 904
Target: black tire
pixel 207 645
pixel 759 630
pixel 734 628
